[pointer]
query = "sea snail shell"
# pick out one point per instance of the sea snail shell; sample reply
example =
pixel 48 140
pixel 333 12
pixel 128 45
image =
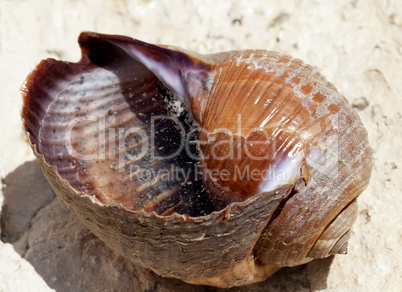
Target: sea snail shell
pixel 281 156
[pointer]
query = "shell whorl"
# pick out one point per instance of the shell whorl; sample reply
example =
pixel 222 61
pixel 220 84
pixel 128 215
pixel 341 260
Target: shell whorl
pixel 313 132
pixel 89 122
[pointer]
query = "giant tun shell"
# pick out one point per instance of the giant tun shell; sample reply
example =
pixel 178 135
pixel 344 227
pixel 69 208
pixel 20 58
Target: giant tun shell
pixel 89 122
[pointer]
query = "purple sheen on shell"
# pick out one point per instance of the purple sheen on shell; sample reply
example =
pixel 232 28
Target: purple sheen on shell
pixel 108 132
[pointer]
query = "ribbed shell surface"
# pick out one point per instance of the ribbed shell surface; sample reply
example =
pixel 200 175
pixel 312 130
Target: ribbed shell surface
pixel 304 115
pixel 88 122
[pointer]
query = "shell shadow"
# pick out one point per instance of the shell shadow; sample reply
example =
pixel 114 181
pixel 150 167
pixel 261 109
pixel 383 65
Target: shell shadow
pixel 68 256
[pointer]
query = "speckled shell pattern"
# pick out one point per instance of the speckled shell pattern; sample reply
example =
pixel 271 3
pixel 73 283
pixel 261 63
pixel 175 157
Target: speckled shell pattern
pixel 215 232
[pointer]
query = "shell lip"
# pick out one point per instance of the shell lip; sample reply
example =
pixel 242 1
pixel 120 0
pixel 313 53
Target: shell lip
pixel 176 54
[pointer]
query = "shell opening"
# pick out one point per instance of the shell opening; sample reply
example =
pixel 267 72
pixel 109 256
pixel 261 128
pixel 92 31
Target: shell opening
pixel 115 132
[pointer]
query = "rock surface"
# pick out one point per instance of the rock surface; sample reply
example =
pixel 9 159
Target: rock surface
pixel 355 44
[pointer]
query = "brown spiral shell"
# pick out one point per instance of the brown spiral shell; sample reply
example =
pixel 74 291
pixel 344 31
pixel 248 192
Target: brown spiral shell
pixel 98 125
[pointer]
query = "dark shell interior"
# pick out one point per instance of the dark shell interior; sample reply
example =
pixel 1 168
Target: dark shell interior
pixel 108 126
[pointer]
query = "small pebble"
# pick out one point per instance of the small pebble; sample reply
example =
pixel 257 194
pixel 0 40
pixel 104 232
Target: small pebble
pixel 360 103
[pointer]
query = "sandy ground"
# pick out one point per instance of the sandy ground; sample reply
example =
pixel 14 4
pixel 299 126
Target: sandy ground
pixel 356 44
